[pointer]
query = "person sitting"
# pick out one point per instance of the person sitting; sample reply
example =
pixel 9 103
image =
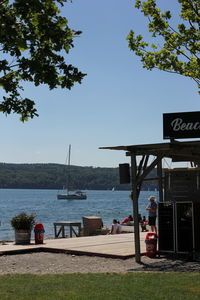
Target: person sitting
pixel 127 220
pixel 116 227
pixel 139 218
pixel 143 224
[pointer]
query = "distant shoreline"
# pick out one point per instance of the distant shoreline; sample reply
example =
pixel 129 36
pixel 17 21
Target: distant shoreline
pixel 118 190
pixel 54 177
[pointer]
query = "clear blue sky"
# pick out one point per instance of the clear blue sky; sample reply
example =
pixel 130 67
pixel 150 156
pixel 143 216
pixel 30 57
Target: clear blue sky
pixel 118 103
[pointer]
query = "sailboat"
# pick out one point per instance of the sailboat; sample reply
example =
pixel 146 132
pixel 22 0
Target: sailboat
pixel 71 195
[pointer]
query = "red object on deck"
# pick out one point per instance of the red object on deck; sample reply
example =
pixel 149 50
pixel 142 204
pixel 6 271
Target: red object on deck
pixel 151 244
pixel 39 233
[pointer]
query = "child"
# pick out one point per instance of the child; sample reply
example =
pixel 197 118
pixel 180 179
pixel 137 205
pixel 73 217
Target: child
pixel 143 224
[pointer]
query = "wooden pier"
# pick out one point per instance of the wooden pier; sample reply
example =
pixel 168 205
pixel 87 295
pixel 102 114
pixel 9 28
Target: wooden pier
pixel 114 246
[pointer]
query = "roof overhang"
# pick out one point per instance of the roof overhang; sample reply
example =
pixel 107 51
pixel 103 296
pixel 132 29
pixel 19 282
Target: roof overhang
pixel 177 151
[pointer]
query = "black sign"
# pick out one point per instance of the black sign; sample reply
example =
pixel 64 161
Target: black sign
pixel 181 125
pixel 124 173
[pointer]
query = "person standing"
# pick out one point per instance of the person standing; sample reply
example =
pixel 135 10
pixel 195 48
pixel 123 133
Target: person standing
pixel 152 210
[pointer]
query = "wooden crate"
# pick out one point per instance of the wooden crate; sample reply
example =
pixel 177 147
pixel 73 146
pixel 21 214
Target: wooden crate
pixel 91 224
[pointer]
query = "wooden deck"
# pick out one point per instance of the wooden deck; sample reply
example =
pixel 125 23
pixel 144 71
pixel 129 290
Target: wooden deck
pixel 115 246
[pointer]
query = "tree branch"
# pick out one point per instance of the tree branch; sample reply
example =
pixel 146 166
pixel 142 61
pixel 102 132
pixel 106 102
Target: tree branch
pixel 195 9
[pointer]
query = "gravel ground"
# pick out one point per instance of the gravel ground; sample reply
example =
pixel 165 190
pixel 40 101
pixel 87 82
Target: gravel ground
pixel 57 263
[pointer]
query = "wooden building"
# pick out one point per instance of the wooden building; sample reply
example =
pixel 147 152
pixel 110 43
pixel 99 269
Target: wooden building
pixel 174 202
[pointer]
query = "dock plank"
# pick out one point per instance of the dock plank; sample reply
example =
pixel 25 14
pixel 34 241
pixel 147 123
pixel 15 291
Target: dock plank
pixel 119 245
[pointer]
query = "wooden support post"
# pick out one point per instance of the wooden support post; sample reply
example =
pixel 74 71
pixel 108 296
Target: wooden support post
pixel 70 231
pixel 63 231
pixel 135 194
pixel 160 183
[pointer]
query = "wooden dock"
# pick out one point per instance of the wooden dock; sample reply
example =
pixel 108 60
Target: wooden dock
pixel 114 246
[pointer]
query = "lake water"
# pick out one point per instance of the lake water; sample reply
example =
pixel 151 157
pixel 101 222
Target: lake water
pixel 105 204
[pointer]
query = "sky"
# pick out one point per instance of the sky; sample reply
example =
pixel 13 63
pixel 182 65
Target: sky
pixel 118 103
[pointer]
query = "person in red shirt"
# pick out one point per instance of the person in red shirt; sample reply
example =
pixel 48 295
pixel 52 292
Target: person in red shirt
pixel 127 220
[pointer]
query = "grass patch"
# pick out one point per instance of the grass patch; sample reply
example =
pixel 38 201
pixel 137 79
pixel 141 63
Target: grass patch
pixel 172 286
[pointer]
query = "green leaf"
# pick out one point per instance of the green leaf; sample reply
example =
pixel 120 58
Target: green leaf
pixel 33 36
pixel 179 48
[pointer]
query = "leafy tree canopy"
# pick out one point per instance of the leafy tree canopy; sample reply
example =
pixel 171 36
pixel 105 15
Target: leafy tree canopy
pixel 177 50
pixel 34 39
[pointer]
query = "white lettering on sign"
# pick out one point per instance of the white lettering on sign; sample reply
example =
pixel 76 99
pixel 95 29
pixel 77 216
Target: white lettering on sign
pixel 178 125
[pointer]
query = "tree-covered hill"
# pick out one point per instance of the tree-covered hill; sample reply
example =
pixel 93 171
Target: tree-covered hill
pixel 54 176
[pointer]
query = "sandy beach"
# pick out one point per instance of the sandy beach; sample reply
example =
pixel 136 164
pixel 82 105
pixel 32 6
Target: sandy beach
pixel 57 263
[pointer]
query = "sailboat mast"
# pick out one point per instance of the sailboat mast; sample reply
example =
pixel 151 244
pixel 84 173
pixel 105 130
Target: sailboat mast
pixel 69 157
pixel 76 195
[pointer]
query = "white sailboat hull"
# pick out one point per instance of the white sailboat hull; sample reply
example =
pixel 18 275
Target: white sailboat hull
pixel 72 196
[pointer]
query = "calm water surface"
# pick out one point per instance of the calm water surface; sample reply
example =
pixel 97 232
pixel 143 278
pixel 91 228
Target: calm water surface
pixel 44 203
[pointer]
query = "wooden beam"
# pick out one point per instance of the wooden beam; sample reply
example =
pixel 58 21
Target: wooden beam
pixel 135 195
pixel 160 182
pixel 149 168
pixel 143 165
pixel 176 158
pixel 139 169
pixel 152 179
